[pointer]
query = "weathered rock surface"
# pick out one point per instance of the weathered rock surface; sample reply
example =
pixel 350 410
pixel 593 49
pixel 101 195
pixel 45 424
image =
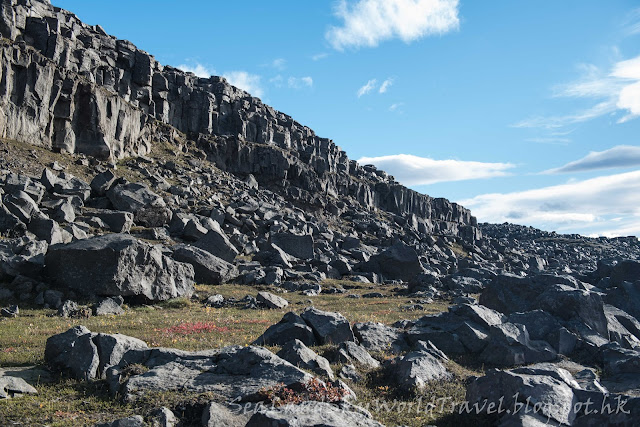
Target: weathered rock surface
pixel 118 265
pixel 230 372
pixel 208 269
pixel 313 414
pixel 291 327
pixel 303 357
pixel 328 327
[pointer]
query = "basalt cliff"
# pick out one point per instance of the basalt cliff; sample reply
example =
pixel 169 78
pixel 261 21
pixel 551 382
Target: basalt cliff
pixel 71 87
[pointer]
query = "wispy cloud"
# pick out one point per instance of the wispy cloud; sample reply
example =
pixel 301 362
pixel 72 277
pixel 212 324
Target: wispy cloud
pixel 278 64
pixel 615 91
pixel 319 56
pixel 197 69
pixel 413 170
pixel 300 82
pixel 368 87
pixel 366 23
pixel 621 156
pixel 586 207
pixel 246 81
pixel 396 106
pixel 550 140
pixel 631 25
pixel 385 85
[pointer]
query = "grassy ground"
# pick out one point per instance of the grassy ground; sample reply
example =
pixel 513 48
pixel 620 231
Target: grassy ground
pixel 190 326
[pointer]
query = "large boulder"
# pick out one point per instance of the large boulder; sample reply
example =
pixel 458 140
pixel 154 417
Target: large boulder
pixel 291 327
pixel 118 265
pixel 416 369
pixel 328 327
pixel 398 262
pixel 149 209
pixel 298 246
pixel 303 357
pixel 230 372
pixel 547 389
pixel 625 271
pixel 378 337
pixel 208 268
pixel 85 355
pixel 217 244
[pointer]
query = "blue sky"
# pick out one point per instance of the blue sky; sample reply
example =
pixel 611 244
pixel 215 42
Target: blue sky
pixel 526 111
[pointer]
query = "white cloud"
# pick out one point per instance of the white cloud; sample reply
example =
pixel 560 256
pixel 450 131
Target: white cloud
pixel 587 207
pixel 248 82
pixel 319 56
pixel 385 85
pixel 396 106
pixel 621 156
pixel 368 87
pixel 369 22
pixel 197 69
pixel 552 140
pixel 632 23
pixel 279 63
pixel 617 91
pixel 300 82
pixel 412 170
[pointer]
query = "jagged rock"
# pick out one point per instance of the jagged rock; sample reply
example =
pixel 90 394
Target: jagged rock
pixel 148 208
pixel 48 230
pixel 379 337
pixel 11 311
pixel 111 349
pixel 102 182
pixel 164 417
pixel 215 301
pixel 108 306
pixel 208 268
pixel 117 221
pixel 398 262
pixel 328 327
pixel 272 301
pixel 312 414
pixel 416 369
pixel 118 265
pixel 551 390
pixel 291 327
pixel 230 372
pixel 298 246
pixel 626 296
pixel 73 352
pixel 349 352
pixel 215 415
pixel 274 256
pixel 64 212
pixel 12 387
pixel 625 271
pixel 303 357
pixel 217 244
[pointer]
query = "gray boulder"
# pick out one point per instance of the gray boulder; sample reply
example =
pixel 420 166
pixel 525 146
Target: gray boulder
pixel 74 353
pixel 416 369
pixel 108 306
pixel 303 357
pixel 208 268
pixel 118 265
pixel 398 262
pixel 230 372
pixel 291 327
pixel 328 327
pixel 148 208
pixel 311 413
pixel 217 244
pixel 378 337
pixel 215 415
pixel 12 387
pixel 549 388
pixel 298 246
pixel 117 221
pixel 272 301
pixel 350 352
pixel 133 421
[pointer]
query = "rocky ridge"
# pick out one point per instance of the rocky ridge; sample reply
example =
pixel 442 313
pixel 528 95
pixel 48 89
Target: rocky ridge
pixel 71 87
